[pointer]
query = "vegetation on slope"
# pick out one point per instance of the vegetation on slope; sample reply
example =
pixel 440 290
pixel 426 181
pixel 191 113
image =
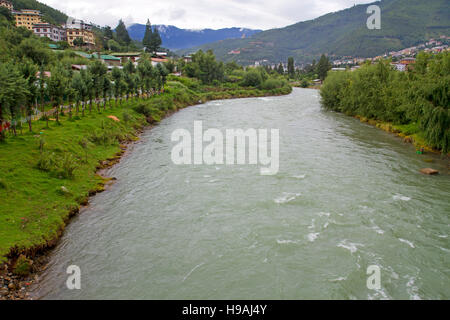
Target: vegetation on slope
pixel 49 14
pixel 403 24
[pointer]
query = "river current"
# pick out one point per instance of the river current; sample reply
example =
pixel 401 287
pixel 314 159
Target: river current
pixel 347 196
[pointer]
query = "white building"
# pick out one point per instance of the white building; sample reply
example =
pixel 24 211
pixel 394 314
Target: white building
pixel 50 31
pixel 78 24
pixel 400 67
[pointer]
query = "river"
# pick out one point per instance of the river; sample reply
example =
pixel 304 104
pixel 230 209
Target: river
pixel 347 196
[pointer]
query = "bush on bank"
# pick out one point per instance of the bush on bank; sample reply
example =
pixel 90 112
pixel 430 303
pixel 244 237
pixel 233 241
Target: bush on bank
pixel 418 100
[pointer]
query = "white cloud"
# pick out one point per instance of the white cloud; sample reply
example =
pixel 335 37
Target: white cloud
pixel 197 14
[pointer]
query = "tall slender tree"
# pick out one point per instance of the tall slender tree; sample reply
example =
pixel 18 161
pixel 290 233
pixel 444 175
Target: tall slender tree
pixel 29 71
pixel 280 69
pixel 122 34
pixel 13 92
pixel 291 68
pixel 57 87
pixel 147 40
pixel 155 41
pixel 323 67
pixel 117 76
pixel 42 86
pixel 98 71
pixel 80 90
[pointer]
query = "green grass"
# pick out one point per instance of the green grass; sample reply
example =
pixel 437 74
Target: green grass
pixel 32 207
pixel 37 191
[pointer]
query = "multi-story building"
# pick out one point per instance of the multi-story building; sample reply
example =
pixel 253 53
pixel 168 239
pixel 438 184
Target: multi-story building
pixel 86 35
pixel 78 24
pixel 6 4
pixel 50 31
pixel 79 29
pixel 27 18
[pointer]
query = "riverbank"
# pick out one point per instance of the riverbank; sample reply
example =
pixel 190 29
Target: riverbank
pixel 416 99
pixel 48 175
pixel 410 133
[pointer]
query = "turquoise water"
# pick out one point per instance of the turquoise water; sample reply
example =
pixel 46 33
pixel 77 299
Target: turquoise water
pixel 347 196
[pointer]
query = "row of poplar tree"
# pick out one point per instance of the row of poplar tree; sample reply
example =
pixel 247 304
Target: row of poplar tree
pixel 26 89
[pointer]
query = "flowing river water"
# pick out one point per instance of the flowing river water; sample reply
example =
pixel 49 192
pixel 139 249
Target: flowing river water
pixel 347 196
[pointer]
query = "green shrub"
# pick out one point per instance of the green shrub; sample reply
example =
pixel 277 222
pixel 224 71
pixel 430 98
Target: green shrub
pixel 271 84
pixel 22 266
pixel 46 161
pixel 304 83
pixel 126 117
pixel 252 78
pixel 102 137
pixel 142 108
pixel 67 165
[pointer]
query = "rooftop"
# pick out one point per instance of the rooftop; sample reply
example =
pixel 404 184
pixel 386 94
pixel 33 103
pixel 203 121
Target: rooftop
pixel 126 54
pixel 96 56
pixel 27 12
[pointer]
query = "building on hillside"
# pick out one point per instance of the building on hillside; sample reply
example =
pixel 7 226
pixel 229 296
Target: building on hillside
pixel 78 24
pixel 125 56
pixel 408 61
pixel 50 31
pixel 79 67
pixel 47 74
pixel 399 66
pixel 109 60
pixel 87 36
pixel 78 29
pixel 8 5
pixel 27 18
pixel 338 69
pixel 156 61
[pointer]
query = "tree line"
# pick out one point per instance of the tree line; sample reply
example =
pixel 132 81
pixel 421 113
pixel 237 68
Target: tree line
pixel 119 39
pixel 27 87
pixel 418 99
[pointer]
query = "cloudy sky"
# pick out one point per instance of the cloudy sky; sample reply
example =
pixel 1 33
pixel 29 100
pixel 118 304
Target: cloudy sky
pixel 199 14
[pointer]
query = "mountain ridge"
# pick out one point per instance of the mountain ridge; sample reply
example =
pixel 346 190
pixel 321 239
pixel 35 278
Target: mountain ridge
pixel 176 38
pixel 342 33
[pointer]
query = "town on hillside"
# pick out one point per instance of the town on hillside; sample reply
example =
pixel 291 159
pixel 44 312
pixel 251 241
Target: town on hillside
pixel 402 59
pixel 77 34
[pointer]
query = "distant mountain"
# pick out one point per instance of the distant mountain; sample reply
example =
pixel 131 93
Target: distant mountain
pixel 175 38
pixel 403 24
pixel 51 15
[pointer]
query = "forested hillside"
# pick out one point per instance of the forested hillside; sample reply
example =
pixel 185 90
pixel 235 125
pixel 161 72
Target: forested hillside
pixel 50 14
pixel 403 24
pixel 176 38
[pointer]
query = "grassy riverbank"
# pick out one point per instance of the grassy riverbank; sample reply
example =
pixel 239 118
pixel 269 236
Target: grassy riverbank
pixel 411 133
pixel 46 175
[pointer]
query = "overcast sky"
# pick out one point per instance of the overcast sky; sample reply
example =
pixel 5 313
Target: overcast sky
pixel 199 14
